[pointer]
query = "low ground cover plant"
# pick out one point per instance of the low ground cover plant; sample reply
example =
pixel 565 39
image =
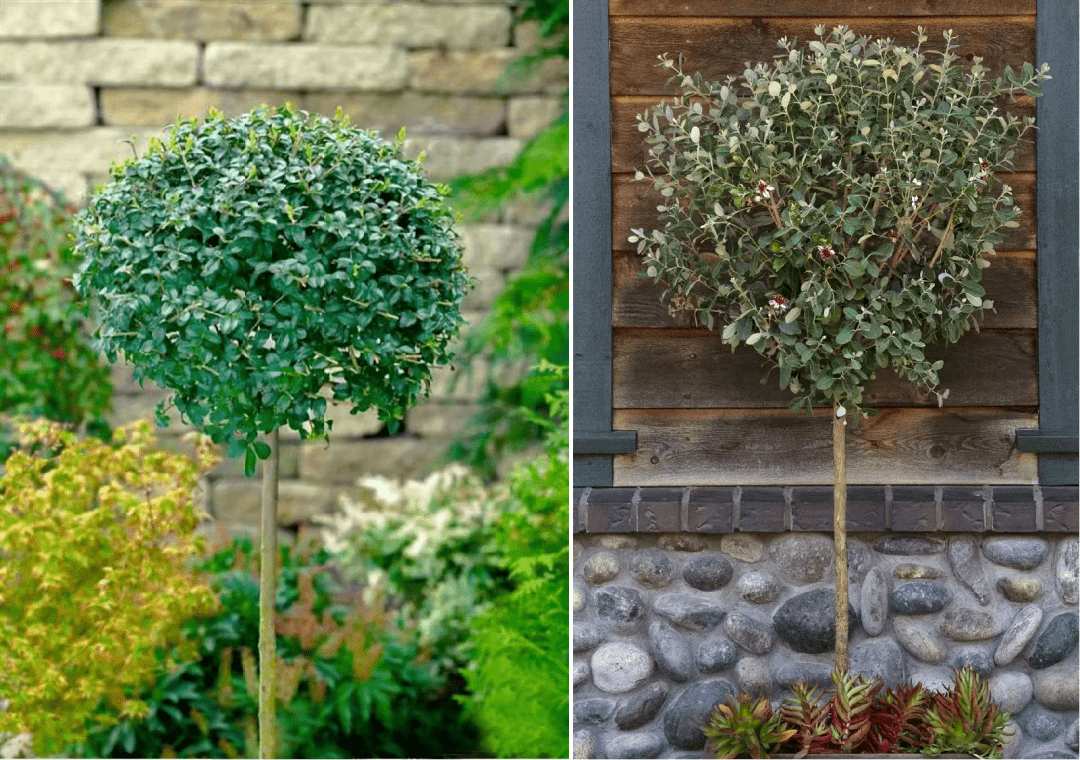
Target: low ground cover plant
pixel 858 715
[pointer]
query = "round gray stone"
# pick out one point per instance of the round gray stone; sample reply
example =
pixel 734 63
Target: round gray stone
pixel 978 659
pixel 638 744
pixel 1012 551
pixel 1056 688
pixel 909 545
pixel 1066 570
pixel 600 568
pixel 909 571
pixel 1011 689
pixel 708 572
pixel 1056 642
pixel 758 587
pixel 874 602
pixel 752 675
pixel 919 597
pixel 932 679
pixel 593 711
pixel 923 644
pixel 802 559
pixel 801 671
pixel 584 745
pixel 807 622
pixel 587 636
pixel 581 673
pixel 715 653
pixel 1022 590
pixel 966 565
pixel 860 559
pixel 579 598
pixel 688 611
pixel 621 607
pixel 682 542
pixel 754 637
pixel 1041 725
pixel 1072 736
pixel 642 707
pixel 1018 634
pixel 671 651
pixel 652 568
pixel 691 710
pixel 966 624
pixel 743 547
pixel 879 658
pixel 618 667
pixel 616 541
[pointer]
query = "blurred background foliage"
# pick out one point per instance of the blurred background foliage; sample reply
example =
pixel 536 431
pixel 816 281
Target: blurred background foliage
pixel 529 321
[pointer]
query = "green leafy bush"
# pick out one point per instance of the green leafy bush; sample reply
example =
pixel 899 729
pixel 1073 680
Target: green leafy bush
pixel 836 208
pixel 248 263
pixel 521 681
pixel 48 366
pixel 96 540
pixel 350 682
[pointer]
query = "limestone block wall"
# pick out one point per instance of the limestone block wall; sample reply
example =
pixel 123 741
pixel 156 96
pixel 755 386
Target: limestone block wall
pixel 668 624
pixel 79 77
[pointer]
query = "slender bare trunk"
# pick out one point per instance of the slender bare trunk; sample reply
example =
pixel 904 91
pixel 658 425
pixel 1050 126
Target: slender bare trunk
pixel 267 592
pixel 839 426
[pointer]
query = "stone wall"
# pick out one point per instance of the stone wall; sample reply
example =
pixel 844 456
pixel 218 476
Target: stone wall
pixel 78 77
pixel 668 624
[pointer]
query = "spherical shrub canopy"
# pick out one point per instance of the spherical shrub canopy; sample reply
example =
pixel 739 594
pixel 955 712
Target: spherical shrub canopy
pixel 835 209
pixel 248 263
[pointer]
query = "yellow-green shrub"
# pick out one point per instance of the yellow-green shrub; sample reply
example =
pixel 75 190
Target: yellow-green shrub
pixel 94 547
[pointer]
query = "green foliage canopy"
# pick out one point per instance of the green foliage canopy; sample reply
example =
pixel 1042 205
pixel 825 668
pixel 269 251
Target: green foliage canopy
pixel 248 263
pixel 836 211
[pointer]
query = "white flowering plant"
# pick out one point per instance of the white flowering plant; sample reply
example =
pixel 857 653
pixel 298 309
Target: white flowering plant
pixel 834 209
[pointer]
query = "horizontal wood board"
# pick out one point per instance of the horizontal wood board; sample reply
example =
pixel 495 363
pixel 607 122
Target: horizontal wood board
pixel 629 151
pixel 689 447
pixel 634 206
pixel 1010 282
pixel 656 369
pixel 819 8
pixel 720 47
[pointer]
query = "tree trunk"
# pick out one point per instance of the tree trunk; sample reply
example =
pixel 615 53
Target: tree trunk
pixel 840 537
pixel 267 592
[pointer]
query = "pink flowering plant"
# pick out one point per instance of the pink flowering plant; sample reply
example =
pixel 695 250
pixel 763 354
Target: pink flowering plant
pixel 834 210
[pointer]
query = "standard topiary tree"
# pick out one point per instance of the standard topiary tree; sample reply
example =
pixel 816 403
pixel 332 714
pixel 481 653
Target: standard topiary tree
pixel 835 214
pixel 257 265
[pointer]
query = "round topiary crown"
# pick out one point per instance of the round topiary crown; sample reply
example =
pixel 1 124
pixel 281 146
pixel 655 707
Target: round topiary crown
pixel 248 263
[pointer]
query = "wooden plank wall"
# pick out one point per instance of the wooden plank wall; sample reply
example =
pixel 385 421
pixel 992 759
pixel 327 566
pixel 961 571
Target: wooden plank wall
pixel 704 415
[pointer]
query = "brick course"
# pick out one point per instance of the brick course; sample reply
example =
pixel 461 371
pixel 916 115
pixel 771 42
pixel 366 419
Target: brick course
pixel 809 508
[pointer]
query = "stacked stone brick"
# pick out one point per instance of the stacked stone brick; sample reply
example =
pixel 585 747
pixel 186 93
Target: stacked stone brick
pixel 78 78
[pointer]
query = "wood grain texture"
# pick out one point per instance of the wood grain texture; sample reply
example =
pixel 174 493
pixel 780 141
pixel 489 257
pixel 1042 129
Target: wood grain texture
pixel 634 206
pixel 1009 282
pixel 690 447
pixel 818 8
pixel 719 47
pixel 657 369
pixel 628 148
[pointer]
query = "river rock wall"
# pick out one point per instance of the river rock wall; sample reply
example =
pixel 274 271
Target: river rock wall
pixel 667 625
